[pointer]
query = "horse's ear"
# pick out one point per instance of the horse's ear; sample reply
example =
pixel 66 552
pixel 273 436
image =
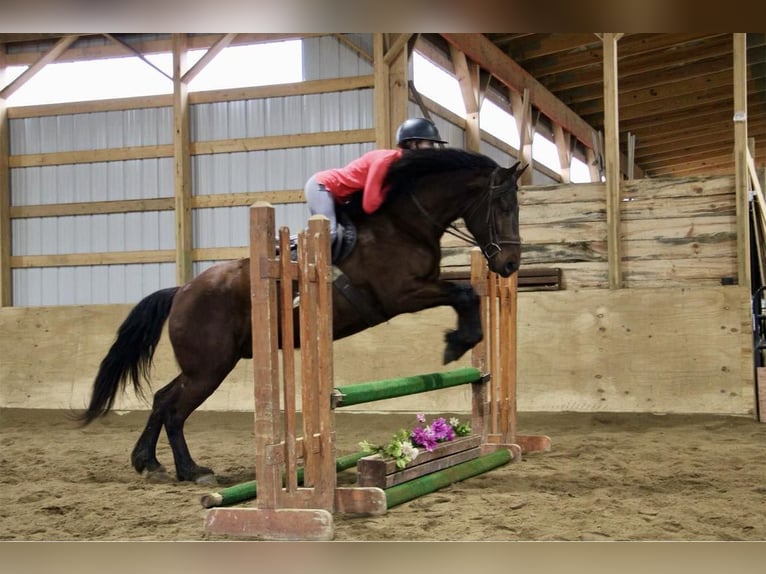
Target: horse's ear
pixel 518 171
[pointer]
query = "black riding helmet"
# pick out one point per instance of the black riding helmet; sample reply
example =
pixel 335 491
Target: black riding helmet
pixel 418 129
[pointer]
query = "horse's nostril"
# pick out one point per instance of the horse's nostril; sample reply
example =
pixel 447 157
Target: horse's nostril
pixel 510 268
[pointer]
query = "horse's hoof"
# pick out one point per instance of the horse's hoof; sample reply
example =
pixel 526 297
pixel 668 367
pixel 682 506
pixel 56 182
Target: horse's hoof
pixel 207 480
pixel 451 354
pixel 158 475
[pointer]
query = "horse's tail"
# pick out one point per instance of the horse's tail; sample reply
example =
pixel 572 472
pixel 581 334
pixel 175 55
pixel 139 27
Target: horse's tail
pixel 131 353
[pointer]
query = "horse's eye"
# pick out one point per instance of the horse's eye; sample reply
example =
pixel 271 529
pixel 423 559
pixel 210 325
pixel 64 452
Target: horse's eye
pixel 506 203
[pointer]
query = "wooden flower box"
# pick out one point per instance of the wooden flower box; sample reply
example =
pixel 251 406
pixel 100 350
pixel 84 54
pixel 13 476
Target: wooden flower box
pixel 378 470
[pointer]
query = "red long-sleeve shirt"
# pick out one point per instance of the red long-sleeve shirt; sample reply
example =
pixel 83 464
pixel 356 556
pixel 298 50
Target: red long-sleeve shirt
pixel 364 173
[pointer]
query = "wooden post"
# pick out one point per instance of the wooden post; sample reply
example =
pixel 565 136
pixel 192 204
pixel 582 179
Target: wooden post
pixel 612 160
pixel 182 162
pixel 6 283
pixel 382 102
pixel 740 158
pixel 263 294
pixel 397 60
pixel 495 416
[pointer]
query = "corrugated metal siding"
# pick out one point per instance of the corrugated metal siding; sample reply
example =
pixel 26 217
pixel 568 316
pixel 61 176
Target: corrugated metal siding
pixel 97 130
pixel 275 170
pixel 325 57
pixel 81 183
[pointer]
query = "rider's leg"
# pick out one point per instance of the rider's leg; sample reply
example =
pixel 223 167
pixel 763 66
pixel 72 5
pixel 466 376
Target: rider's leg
pixel 321 202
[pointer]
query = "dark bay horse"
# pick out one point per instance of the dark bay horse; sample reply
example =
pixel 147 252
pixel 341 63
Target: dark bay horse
pixel 393 269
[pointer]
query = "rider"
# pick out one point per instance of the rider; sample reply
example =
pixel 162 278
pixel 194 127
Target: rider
pixel 366 174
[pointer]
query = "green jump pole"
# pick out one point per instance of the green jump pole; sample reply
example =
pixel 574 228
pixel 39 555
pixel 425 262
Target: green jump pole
pixel 248 490
pixel 389 388
pixel 412 489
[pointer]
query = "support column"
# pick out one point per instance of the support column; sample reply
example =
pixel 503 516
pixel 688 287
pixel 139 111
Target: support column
pixel 612 160
pixel 391 73
pixel 397 60
pixel 740 158
pixel 182 162
pixel 6 283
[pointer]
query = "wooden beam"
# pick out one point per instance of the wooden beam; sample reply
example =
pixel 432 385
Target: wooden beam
pixel 481 50
pixel 6 282
pixel 398 86
pixel 396 48
pixel 631 154
pixel 664 142
pixel 41 62
pixel 563 146
pixel 612 160
pixel 164 45
pixel 592 160
pixel 467 74
pixel 655 62
pixel 361 52
pixel 380 71
pixel 522 113
pixel 182 162
pixel 207 57
pixel 207 96
pixel 740 157
pixel 467 77
pixel 138 54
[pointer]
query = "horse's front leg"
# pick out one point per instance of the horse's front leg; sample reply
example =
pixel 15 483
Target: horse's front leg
pixel 465 301
pixel 462 298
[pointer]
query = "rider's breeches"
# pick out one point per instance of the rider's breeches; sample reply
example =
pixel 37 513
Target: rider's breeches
pixel 321 202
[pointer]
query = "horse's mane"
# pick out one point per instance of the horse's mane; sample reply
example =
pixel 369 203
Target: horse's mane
pixel 415 164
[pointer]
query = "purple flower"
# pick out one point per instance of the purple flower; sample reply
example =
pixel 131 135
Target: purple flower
pixel 442 430
pixel 424 437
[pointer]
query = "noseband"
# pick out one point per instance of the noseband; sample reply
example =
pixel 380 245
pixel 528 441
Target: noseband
pixel 493 246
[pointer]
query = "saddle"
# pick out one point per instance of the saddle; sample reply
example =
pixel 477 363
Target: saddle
pixel 342 245
pixel 345 239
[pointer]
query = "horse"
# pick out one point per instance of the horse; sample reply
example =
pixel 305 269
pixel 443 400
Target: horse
pixel 393 269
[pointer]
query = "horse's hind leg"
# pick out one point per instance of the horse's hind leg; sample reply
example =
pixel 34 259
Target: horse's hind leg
pixel 172 405
pixel 187 395
pixel 144 455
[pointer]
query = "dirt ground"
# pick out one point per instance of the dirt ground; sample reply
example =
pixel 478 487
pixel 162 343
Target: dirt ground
pixel 607 477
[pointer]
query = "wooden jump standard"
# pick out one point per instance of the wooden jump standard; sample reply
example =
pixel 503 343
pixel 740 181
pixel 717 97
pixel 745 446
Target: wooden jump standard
pixel 297 503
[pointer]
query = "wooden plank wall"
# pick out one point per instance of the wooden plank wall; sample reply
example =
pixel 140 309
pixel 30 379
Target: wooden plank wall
pixel 672 349
pixel 674 232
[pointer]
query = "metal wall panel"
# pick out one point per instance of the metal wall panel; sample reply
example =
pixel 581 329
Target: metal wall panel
pixel 325 57
pixel 287 115
pixel 81 183
pixel 86 285
pixel 97 130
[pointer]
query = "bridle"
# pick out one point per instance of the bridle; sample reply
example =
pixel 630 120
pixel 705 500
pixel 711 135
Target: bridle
pixel 493 246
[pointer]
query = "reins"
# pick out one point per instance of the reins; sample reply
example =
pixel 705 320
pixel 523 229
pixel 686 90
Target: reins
pixel 492 248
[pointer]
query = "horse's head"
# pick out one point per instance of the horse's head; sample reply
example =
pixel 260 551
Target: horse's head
pixel 493 220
